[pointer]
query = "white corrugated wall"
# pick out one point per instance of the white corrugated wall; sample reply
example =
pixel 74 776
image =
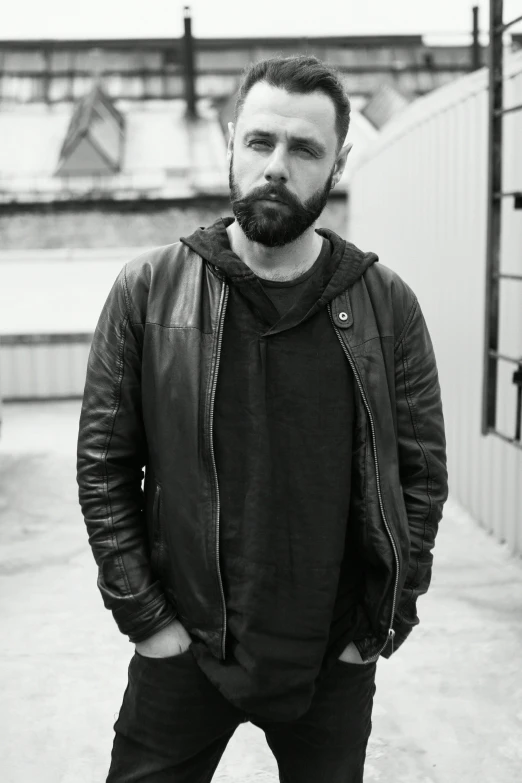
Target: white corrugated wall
pixel 50 301
pixel 44 370
pixel 419 200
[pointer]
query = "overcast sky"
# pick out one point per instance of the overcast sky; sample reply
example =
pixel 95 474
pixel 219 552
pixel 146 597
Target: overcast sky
pixel 236 18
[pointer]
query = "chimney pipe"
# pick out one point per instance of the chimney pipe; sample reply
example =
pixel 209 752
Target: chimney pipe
pixel 475 46
pixel 46 77
pixel 188 62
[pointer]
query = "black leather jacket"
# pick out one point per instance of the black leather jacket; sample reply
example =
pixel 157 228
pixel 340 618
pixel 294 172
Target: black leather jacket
pixel 148 403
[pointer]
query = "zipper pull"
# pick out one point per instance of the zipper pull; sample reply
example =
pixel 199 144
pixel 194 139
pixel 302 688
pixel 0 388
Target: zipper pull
pixel 391 635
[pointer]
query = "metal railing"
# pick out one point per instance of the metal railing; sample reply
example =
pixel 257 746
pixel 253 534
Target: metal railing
pixel 496 197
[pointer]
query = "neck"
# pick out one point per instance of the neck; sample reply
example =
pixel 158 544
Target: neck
pixel 276 263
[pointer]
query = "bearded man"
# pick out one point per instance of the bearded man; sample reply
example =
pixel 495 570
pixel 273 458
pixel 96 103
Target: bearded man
pixel 277 389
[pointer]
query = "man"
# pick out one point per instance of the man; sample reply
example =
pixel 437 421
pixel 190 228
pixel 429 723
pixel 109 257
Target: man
pixel 280 389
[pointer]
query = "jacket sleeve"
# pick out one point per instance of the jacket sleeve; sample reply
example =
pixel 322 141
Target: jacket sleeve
pixel 112 452
pixel 422 462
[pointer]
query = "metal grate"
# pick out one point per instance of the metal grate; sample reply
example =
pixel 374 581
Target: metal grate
pixel 494 275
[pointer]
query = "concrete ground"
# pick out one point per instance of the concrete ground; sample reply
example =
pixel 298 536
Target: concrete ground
pixel 448 707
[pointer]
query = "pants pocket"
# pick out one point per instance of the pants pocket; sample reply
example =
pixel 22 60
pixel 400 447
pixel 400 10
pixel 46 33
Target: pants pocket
pixel 163 659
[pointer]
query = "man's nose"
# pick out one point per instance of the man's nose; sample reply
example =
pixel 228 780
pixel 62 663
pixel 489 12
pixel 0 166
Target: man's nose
pixel 277 167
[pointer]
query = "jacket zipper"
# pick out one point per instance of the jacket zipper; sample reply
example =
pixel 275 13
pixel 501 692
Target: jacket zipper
pixel 391 632
pixel 221 319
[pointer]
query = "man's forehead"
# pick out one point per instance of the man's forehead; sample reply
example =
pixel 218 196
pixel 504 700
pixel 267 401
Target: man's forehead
pixel 312 113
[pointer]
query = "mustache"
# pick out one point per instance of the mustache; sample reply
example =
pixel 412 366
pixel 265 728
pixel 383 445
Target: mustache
pixel 275 192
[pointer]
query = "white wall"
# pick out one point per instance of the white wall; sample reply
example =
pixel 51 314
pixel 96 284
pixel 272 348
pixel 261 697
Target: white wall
pixel 52 292
pixel 419 200
pixel 43 371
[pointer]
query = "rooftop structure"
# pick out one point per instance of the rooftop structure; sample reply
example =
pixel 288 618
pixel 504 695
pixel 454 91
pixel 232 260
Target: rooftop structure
pixel 147 119
pixel 93 142
pixel 143 69
pixel 119 149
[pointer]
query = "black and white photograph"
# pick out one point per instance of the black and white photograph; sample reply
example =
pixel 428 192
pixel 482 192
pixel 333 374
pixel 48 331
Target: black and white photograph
pixel 261 391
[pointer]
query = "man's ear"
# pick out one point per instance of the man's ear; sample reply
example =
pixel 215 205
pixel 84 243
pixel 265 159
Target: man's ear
pixel 340 163
pixel 230 145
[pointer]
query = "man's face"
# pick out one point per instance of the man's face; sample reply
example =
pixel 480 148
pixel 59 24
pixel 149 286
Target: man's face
pixel 283 162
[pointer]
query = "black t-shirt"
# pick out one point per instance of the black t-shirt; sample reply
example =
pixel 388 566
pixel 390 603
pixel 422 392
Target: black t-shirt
pixel 283 422
pixel 284 294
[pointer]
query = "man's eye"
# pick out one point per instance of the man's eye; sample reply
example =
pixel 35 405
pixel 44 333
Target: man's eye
pixel 259 143
pixel 305 151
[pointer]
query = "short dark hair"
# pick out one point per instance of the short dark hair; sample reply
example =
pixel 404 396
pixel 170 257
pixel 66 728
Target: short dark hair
pixel 299 74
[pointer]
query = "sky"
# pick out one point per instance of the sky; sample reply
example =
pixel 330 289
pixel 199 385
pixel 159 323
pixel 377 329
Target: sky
pixel 439 19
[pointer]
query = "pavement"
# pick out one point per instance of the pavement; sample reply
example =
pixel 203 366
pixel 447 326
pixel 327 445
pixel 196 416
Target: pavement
pixel 448 706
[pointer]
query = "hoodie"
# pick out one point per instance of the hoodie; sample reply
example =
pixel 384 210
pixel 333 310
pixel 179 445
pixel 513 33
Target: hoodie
pixel 283 419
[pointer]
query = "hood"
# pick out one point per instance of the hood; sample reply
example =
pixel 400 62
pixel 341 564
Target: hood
pixel 348 262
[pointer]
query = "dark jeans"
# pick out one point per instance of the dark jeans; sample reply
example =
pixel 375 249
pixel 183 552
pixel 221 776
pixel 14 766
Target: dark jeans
pixel 174 726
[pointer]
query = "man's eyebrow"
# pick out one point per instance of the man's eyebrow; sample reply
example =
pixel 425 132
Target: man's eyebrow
pixel 259 132
pixel 264 134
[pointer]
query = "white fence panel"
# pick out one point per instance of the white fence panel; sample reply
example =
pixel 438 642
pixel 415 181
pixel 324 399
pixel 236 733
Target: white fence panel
pixel 50 301
pixel 43 371
pixel 419 200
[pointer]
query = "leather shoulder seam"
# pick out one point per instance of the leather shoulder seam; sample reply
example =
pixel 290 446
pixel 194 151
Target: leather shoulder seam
pixel 133 314
pixel 407 323
pixel 126 293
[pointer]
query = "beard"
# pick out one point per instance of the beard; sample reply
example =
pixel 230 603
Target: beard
pixel 274 225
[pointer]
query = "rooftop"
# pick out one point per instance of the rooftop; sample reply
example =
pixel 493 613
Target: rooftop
pixel 164 155
pixel 97 119
pixel 154 68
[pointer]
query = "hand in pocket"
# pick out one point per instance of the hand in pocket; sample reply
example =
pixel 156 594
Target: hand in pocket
pixel 351 654
pixel 170 641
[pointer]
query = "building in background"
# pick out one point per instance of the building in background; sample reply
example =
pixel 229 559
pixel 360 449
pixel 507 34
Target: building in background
pixel 110 147
pixel 122 142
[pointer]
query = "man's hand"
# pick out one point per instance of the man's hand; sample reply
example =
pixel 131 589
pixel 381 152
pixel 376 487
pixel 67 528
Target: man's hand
pixel 171 640
pixel 351 654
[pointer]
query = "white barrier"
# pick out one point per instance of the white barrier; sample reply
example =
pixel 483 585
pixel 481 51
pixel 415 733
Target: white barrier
pixel 419 200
